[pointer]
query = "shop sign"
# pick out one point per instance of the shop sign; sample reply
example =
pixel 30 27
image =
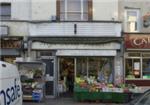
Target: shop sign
pixel 137 41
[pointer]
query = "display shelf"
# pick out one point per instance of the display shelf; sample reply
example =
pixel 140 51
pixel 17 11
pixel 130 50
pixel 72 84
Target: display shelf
pixel 114 97
pixel 32 78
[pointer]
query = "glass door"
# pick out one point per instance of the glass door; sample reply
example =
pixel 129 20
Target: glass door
pixel 66 76
pixel 49 76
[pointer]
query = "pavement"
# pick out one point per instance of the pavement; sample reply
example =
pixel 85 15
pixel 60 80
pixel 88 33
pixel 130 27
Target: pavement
pixel 66 101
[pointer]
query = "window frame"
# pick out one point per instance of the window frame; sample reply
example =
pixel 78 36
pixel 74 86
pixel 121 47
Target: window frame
pixel 137 20
pixel 141 58
pixel 2 16
pixel 89 11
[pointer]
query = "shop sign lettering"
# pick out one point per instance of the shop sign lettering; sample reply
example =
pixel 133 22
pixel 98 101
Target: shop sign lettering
pixel 142 41
pixel 137 41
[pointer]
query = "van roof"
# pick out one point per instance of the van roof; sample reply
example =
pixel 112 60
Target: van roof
pixel 8 70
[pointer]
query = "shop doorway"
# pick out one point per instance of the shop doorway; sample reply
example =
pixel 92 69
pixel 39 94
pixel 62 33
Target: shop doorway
pixel 49 76
pixel 66 76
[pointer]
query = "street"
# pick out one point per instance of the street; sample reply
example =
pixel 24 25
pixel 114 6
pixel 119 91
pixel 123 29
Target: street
pixel 67 101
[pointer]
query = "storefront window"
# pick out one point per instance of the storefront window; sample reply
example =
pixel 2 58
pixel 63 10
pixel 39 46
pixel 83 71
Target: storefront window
pixel 101 68
pixel 81 67
pixel 137 65
pixel 94 66
pixel 146 68
pixel 133 69
pixel 134 54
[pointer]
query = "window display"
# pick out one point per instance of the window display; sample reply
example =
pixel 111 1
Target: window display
pixel 32 78
pixel 133 69
pixel 99 68
pixel 137 66
pixel 146 68
pixel 81 66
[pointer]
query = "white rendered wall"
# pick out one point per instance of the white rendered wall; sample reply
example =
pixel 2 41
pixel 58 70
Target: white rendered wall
pixel 105 9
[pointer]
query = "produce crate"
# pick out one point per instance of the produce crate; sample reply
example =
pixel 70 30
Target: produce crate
pixel 121 97
pixel 36 96
pixel 83 96
pixel 103 96
pixel 106 96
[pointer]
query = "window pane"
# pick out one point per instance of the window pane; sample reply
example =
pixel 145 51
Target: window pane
pixel 146 55
pixel 101 68
pixel 133 68
pixel 74 10
pixel 74 16
pixel 128 68
pixel 85 16
pixel 146 68
pixel 81 67
pixel 85 5
pixel 73 5
pixel 132 23
pixel 5 11
pixel 132 26
pixel 134 54
pixel 136 68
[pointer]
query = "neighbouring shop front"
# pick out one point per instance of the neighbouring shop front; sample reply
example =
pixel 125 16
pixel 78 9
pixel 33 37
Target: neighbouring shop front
pixel 137 59
pixel 95 58
pixel 11 47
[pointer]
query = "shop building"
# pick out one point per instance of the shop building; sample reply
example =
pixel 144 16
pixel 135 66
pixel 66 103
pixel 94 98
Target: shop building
pixel 11 47
pixel 137 58
pixel 79 57
pixel 79 42
pixel 136 42
pixel 70 36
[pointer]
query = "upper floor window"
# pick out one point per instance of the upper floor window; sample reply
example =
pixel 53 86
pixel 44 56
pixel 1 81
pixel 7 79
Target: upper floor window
pixel 5 11
pixel 132 20
pixel 74 10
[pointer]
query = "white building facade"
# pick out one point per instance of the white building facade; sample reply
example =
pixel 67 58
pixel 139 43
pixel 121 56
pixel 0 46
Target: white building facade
pixel 72 37
pixel 136 42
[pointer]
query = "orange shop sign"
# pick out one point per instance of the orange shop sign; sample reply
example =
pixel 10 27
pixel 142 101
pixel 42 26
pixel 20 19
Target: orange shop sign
pixel 137 41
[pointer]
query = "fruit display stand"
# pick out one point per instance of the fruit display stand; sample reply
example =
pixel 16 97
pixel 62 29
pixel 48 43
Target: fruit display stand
pixel 116 97
pixel 106 93
pixel 32 80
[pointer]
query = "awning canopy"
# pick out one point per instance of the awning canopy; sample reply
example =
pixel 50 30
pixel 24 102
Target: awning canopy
pixel 86 53
pixel 76 40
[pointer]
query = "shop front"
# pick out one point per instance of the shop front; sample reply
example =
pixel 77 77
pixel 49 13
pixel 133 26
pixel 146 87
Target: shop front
pixel 137 59
pixel 11 47
pixel 78 58
pixel 100 68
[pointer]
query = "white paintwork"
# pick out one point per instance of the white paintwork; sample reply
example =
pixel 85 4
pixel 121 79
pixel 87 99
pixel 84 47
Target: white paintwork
pixel 3 30
pixel 17 28
pixel 46 46
pixel 83 29
pixel 105 9
pixel 43 9
pixel 86 53
pixel 21 10
pixel 142 5
pixel 10 85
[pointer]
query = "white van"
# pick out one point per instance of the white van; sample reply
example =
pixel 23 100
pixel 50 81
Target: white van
pixel 10 85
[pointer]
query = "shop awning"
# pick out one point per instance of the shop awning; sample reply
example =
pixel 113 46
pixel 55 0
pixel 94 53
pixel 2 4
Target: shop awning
pixel 86 53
